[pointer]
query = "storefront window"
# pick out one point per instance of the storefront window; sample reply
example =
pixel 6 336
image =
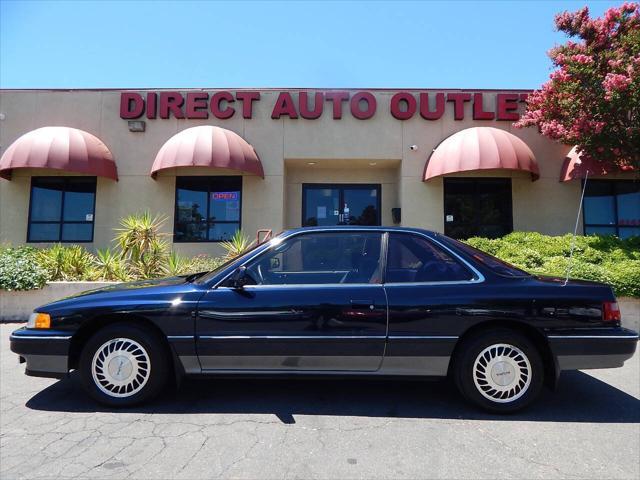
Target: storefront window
pixel 612 207
pixel 61 209
pixel 207 208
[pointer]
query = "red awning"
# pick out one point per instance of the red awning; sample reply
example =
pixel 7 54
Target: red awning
pixel 481 148
pixel 59 148
pixel 575 167
pixel 208 146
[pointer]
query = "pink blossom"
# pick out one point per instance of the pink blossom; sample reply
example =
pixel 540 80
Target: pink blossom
pixel 614 82
pixel 615 63
pixel 583 59
pixel 553 129
pixel 560 75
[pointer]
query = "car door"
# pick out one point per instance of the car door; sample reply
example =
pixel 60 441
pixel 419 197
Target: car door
pixel 314 302
pixel 431 294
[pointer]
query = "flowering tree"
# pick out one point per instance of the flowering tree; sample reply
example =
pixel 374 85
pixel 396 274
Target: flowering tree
pixel 592 99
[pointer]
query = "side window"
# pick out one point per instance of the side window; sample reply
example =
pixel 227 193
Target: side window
pixel 412 258
pixel 320 258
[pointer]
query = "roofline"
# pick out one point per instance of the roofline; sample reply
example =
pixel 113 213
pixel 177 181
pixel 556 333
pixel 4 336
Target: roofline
pixel 268 89
pixel 373 228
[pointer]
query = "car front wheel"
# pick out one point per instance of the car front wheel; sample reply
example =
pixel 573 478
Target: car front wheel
pixel 499 370
pixel 123 365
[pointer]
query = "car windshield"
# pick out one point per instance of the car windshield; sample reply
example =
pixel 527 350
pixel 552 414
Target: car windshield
pixel 499 266
pixel 209 275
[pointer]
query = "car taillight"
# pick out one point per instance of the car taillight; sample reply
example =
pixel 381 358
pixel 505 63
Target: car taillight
pixel 610 312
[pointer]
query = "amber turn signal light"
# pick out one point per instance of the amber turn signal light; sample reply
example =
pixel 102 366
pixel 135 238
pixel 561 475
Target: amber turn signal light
pixel 39 320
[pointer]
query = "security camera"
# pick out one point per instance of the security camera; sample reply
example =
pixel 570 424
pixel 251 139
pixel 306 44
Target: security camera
pixel 413 147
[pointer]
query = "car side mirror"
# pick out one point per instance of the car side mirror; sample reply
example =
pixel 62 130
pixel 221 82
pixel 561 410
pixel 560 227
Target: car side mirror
pixel 239 278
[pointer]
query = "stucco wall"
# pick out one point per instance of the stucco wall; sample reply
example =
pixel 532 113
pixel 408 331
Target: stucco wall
pixel 342 150
pixel 17 306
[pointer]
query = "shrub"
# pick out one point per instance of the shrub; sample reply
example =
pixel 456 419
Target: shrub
pixel 603 259
pixel 19 269
pixel 625 277
pixel 485 244
pixel 203 263
pixel 67 263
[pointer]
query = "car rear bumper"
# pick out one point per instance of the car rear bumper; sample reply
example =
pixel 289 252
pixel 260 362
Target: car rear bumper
pixel 46 352
pixel 595 348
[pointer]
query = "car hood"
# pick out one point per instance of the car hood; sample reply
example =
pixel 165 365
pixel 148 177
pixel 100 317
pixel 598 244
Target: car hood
pixel 130 295
pixel 137 285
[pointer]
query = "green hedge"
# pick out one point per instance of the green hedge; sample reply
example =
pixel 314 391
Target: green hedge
pixel 603 259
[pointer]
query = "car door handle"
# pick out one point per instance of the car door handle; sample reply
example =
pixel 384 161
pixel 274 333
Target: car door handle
pixel 363 304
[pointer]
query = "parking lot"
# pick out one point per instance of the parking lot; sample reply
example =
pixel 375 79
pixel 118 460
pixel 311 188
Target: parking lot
pixel 589 428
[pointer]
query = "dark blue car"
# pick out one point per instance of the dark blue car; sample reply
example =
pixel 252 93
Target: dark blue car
pixel 335 301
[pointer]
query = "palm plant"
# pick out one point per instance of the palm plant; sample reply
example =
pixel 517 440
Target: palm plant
pixel 237 245
pixel 67 263
pixel 176 264
pixel 141 245
pixel 110 266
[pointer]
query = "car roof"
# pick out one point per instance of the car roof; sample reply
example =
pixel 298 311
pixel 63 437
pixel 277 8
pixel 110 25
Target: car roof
pixel 360 228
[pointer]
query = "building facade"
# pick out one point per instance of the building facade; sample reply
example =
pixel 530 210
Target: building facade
pixel 74 163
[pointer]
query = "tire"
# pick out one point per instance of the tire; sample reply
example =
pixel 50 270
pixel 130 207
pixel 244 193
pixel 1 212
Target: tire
pixel 499 370
pixel 123 365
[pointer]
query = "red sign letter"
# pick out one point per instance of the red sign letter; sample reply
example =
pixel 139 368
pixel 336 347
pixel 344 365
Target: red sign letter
pixel 303 103
pixel 507 103
pixel 478 111
pixel 152 99
pixel 424 106
pixel 216 100
pixel 458 99
pixel 196 101
pixel 127 110
pixel 171 101
pixel 284 106
pixel 410 101
pixel 247 99
pixel 337 98
pixel 371 105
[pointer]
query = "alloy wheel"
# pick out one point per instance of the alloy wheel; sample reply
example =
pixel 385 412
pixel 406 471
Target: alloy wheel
pixel 502 373
pixel 121 367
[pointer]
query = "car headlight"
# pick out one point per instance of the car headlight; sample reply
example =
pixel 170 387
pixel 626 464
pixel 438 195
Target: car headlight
pixel 39 320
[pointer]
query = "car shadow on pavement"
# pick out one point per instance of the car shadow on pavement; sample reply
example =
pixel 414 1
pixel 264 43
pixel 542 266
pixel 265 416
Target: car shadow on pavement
pixel 579 398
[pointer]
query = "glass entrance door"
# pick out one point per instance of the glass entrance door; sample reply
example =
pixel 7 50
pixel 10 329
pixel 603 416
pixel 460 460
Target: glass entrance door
pixel 327 205
pixel 477 207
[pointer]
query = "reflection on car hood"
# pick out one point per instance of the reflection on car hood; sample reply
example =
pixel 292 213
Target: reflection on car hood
pixel 137 285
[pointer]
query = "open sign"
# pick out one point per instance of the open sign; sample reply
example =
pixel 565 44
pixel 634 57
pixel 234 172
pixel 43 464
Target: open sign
pixel 225 195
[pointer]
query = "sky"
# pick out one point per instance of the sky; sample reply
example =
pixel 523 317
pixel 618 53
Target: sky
pixel 207 44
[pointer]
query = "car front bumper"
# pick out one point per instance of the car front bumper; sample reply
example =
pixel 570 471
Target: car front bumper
pixel 46 352
pixel 594 348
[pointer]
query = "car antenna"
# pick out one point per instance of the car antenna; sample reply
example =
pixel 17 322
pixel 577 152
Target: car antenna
pixel 575 230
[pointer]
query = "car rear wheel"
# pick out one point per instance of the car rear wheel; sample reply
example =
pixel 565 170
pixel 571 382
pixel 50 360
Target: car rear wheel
pixel 123 365
pixel 499 370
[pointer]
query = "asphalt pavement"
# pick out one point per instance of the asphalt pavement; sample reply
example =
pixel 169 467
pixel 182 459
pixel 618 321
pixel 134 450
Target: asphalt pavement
pixel 324 429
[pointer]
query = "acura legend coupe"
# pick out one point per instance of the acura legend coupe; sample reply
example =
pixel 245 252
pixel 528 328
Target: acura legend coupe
pixel 349 301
